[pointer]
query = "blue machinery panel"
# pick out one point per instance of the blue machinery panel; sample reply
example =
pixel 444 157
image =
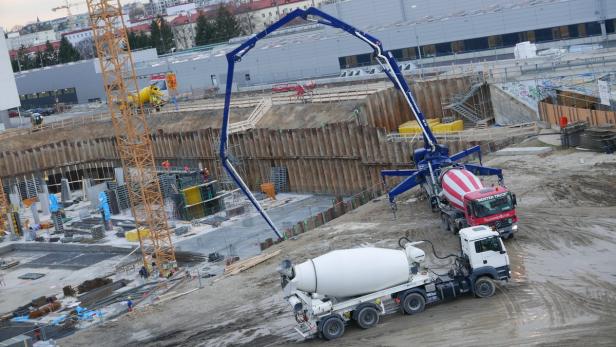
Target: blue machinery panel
pixel 428 160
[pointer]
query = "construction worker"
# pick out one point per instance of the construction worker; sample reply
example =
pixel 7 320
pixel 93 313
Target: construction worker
pixel 143 272
pixel 129 303
pixel 166 164
pixel 205 173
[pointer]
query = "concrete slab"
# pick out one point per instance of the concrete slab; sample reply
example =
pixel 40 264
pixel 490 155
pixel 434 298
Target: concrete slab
pixel 523 151
pixel 550 139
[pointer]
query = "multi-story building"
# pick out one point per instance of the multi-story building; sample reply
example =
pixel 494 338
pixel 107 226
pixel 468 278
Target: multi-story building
pixel 255 15
pixel 15 40
pixel 159 6
pixel 76 36
pixel 436 32
pixel 184 30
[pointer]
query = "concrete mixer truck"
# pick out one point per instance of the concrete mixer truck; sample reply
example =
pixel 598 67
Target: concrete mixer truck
pixel 463 201
pixel 360 285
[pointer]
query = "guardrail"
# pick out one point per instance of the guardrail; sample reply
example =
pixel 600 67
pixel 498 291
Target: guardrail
pixel 254 117
pixel 489 134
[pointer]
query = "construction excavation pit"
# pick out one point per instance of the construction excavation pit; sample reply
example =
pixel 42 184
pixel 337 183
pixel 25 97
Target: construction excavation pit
pixel 308 212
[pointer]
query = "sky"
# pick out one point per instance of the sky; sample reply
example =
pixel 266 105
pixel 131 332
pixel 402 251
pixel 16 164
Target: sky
pixel 21 12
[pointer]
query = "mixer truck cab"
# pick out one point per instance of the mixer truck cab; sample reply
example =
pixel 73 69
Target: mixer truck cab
pixel 357 286
pixel 485 253
pixel 494 207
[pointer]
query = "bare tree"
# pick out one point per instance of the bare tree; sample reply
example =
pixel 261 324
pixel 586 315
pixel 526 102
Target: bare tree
pixel 85 48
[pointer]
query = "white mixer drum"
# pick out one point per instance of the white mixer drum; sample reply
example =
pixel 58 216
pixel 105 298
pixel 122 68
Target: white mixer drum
pixel 352 272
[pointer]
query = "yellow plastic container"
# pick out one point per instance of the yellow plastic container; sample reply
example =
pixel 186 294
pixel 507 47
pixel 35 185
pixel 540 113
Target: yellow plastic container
pixel 452 127
pixel 412 127
pixel 192 195
pixel 133 237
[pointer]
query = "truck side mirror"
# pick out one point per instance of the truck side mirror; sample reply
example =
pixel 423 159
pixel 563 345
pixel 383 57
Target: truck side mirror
pixel 514 199
pixel 503 252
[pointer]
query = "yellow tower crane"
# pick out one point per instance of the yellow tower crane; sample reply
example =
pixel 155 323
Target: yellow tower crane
pixel 133 139
pixel 4 208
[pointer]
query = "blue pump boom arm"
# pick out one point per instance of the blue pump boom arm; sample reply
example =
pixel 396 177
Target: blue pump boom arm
pixel 383 57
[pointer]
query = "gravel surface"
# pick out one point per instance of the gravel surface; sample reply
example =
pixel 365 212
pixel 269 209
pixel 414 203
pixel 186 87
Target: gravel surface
pixel 563 291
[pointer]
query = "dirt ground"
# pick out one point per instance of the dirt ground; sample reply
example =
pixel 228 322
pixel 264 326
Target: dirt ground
pixel 563 291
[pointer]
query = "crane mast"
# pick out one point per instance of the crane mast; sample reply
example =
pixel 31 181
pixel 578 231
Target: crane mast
pixel 133 139
pixel 4 207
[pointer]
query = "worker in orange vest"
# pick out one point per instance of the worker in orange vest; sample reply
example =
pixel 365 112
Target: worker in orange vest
pixel 563 122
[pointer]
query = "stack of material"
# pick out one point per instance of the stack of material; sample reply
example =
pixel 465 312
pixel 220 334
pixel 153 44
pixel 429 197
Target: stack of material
pixel 122 196
pixel 570 135
pixel 93 284
pixel 112 185
pixel 598 139
pixel 280 177
pixel 189 257
pixel 58 225
pixel 240 266
pixel 45 309
pixel 98 232
pixel 100 292
pixel 112 198
pixel 28 188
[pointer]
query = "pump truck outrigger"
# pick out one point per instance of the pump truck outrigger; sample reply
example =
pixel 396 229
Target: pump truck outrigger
pixel 429 160
pixel 360 285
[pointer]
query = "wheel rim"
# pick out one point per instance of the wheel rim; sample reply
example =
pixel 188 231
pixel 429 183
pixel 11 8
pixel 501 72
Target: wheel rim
pixel 414 304
pixel 333 328
pixel 484 288
pixel 369 317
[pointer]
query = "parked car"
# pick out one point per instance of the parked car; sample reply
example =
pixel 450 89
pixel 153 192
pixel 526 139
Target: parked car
pixel 43 111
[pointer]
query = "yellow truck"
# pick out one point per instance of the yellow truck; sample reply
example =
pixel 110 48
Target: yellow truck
pixel 150 96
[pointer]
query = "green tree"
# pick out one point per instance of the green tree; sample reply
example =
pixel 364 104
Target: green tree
pixel 226 25
pixel 49 55
pixel 162 35
pixel 23 59
pixel 132 40
pixel 67 52
pixel 138 40
pixel 205 31
pixel 143 40
pixel 15 65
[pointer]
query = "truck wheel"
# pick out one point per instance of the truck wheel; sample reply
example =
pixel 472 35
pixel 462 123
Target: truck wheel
pixel 367 317
pixel 444 223
pixel 332 328
pixel 484 287
pixel 453 227
pixel 413 303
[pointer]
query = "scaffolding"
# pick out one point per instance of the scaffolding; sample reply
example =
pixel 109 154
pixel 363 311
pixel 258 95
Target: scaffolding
pixel 132 133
